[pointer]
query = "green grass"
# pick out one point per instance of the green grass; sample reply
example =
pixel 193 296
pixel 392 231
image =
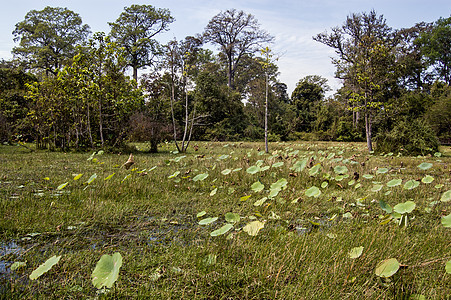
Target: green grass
pixel 301 253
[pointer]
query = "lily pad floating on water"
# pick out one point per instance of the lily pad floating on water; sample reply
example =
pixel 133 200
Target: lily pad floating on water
pixel 224 229
pixel 46 266
pixel 424 166
pixel 355 252
pixel 106 271
pixel 387 268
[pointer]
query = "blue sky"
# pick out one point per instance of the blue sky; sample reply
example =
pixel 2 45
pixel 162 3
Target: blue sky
pixel 293 23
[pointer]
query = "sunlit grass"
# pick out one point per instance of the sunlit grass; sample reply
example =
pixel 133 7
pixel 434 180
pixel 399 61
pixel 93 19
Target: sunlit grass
pixel 149 215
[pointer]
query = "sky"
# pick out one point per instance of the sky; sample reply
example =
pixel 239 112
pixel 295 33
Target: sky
pixel 293 23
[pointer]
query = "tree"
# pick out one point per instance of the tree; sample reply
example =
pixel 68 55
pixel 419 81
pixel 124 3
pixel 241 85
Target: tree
pixel 435 46
pixel 135 30
pixel 48 38
pixel 236 33
pixel 182 61
pixel 309 91
pixel 364 45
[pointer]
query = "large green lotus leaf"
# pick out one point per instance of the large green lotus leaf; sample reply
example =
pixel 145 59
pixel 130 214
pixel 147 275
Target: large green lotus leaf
pixel 367 176
pixel 253 227
pixel 207 221
pixel 341 169
pixel 313 192
pixel 200 177
pixel 279 184
pixel 406 207
pixel 411 184
pixel 315 169
pixel 355 252
pixel 257 186
pixel 232 217
pixel 222 230
pixel 425 166
pixel 446 197
pixel 300 165
pixel 253 169
pixel 47 265
pixel 387 268
pixel 427 179
pixel 106 271
pixel 446 221
pixel 394 182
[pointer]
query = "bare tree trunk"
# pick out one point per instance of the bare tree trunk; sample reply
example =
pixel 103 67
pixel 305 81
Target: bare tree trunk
pixel 368 131
pixel 172 113
pixel 266 114
pixel 186 119
pixel 101 123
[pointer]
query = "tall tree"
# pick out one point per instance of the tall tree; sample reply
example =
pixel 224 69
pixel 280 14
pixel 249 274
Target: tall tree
pixel 236 33
pixel 48 38
pixel 364 45
pixel 309 91
pixel 435 46
pixel 135 30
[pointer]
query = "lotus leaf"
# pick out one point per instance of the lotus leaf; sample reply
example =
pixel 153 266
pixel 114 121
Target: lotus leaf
pixel 253 227
pixel 355 252
pixel 387 268
pixel 424 166
pixel 222 230
pixel 106 271
pixel 406 207
pixel 47 265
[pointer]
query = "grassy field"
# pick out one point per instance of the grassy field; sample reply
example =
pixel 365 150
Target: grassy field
pixel 288 222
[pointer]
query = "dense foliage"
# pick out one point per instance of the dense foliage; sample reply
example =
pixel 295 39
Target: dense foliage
pixel 68 89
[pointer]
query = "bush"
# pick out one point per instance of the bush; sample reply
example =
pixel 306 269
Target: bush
pixel 409 137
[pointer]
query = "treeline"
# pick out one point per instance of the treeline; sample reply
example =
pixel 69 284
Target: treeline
pixel 67 88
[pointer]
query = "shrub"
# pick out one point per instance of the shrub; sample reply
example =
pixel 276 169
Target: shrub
pixel 410 137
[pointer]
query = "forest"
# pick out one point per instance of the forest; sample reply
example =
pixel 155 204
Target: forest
pixel 68 88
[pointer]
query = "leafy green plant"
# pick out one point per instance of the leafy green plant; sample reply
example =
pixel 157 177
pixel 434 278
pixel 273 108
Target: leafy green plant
pixel 106 271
